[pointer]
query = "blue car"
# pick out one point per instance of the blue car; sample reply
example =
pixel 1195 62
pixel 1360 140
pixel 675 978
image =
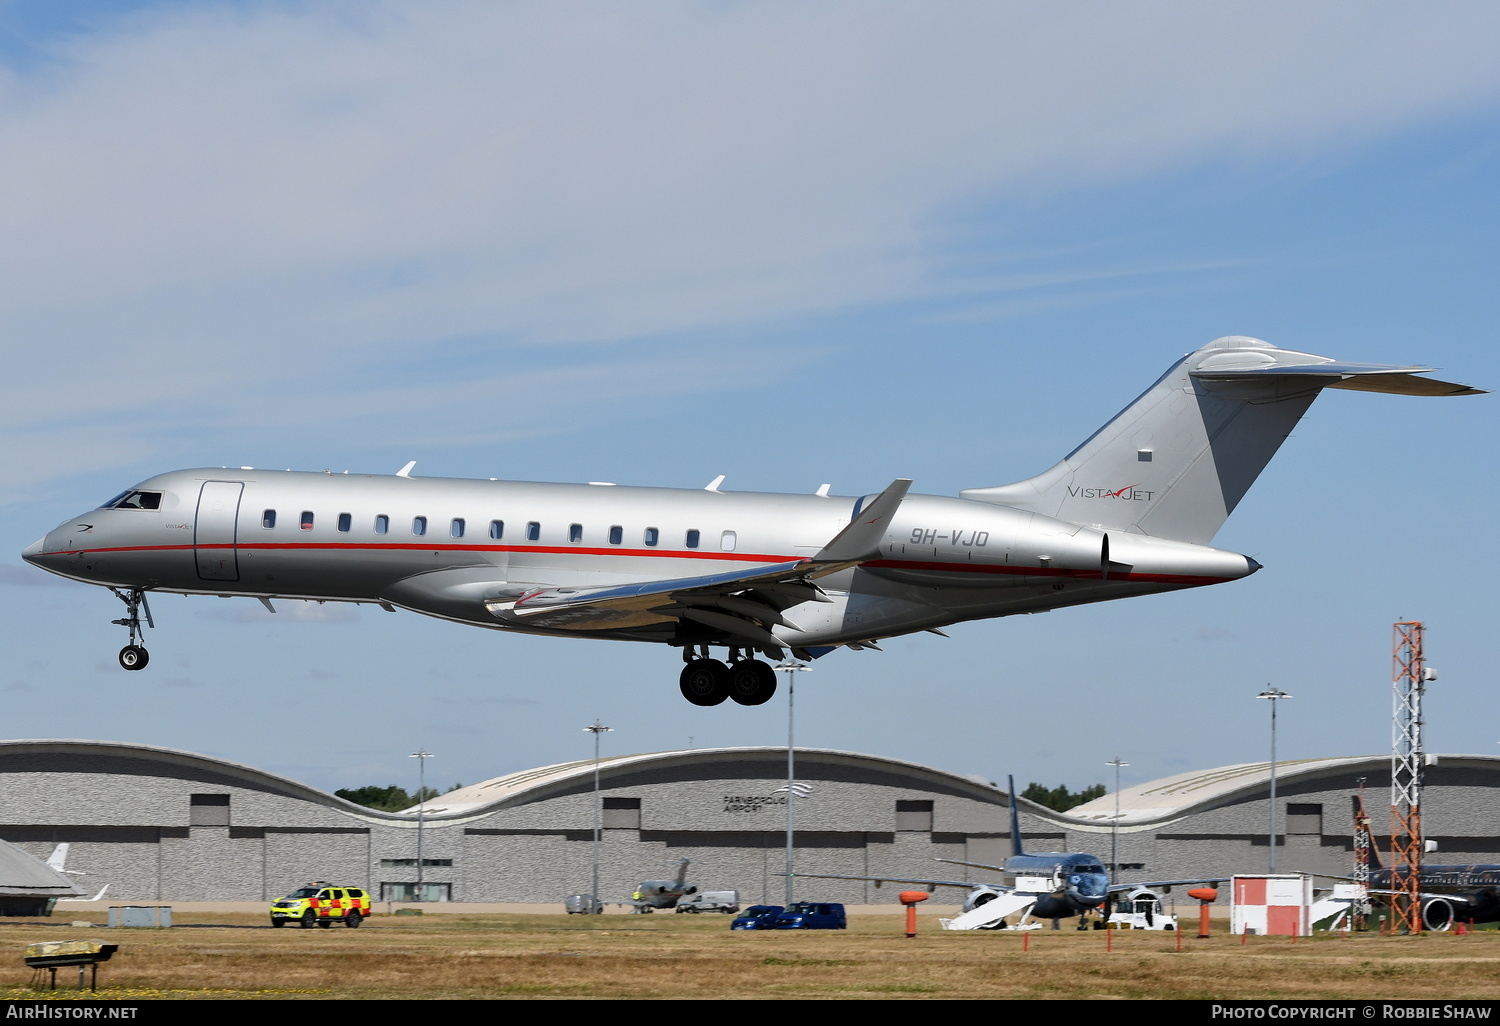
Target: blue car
pixel 812 915
pixel 757 917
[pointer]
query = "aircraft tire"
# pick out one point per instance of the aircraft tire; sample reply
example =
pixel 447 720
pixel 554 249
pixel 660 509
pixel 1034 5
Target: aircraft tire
pixel 751 682
pixel 134 657
pixel 705 682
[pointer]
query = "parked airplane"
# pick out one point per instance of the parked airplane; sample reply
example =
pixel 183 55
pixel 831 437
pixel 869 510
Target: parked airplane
pixel 1449 893
pixel 1043 885
pixel 655 894
pixel 1129 512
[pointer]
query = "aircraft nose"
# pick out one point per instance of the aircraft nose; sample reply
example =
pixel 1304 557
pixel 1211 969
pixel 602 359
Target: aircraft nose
pixel 1252 564
pixel 33 552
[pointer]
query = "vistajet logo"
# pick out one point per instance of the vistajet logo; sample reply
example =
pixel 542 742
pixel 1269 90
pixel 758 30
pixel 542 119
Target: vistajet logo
pixel 1130 493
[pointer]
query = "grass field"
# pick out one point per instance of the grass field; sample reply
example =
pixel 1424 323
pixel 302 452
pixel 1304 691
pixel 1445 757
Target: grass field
pixel 234 956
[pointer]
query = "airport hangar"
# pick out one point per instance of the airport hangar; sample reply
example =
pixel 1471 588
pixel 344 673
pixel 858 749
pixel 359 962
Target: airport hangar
pixel 164 825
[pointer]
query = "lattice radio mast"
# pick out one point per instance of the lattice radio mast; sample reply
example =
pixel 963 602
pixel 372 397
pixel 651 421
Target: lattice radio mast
pixel 1410 676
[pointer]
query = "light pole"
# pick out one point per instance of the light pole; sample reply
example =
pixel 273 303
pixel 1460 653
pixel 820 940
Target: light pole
pixel 791 668
pixel 1114 831
pixel 421 755
pixel 1272 694
pixel 596 728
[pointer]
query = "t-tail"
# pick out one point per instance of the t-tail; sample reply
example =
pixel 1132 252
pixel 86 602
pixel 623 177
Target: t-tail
pixel 1362 829
pixel 1015 819
pixel 1176 462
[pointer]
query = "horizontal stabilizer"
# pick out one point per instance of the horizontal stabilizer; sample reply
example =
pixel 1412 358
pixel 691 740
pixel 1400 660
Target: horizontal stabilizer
pixel 1362 377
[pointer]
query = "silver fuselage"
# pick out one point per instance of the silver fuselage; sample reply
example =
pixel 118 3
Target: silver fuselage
pixel 943 560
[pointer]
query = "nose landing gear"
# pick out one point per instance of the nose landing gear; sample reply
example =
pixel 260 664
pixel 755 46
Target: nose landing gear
pixel 134 656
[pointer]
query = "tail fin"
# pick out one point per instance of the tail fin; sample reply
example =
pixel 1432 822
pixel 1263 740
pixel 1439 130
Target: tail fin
pixel 1362 827
pixel 58 860
pixel 681 873
pixel 1176 462
pixel 1015 819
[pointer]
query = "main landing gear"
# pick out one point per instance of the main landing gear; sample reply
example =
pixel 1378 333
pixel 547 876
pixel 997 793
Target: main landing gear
pixel 708 681
pixel 134 655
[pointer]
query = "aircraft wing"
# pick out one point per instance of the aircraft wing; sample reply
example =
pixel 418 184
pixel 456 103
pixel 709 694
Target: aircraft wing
pixel 743 603
pixel 929 884
pixel 1152 884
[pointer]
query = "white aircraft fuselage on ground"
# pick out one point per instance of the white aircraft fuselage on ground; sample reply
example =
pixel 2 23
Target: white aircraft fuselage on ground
pixel 1128 513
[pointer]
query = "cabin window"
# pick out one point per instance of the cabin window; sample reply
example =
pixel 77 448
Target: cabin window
pixel 652 536
pixel 268 518
pixel 497 529
pixel 456 529
pixel 692 539
pixel 727 541
pixel 346 522
pixel 533 531
pixel 575 533
pixel 616 535
pixel 382 524
pixel 419 525
pixel 307 520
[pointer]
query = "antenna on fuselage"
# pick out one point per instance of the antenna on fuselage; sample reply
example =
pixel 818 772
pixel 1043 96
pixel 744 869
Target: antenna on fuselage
pixel 1015 819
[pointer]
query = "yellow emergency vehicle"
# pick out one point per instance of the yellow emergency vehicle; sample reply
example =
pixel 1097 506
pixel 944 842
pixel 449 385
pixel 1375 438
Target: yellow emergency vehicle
pixel 322 904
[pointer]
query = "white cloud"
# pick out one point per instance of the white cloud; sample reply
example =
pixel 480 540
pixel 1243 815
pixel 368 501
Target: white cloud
pixel 211 210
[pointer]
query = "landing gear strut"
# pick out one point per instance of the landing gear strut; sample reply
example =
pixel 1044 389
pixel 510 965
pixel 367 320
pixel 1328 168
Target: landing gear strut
pixel 134 656
pixel 707 681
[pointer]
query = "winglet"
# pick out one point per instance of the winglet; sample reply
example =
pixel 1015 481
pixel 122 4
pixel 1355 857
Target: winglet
pixel 406 470
pixel 861 539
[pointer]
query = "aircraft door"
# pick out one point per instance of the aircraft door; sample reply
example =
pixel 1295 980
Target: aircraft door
pixel 214 530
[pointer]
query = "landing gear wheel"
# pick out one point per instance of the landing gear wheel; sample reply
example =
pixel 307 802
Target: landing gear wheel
pixel 751 682
pixel 352 920
pixel 134 657
pixel 705 682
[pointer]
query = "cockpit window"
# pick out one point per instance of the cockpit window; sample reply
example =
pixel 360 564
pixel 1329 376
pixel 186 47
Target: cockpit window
pixel 134 500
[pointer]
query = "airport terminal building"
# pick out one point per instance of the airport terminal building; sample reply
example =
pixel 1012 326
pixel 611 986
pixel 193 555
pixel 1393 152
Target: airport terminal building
pixel 162 825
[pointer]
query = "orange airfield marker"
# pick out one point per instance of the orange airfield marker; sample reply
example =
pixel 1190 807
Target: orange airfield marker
pixel 910 899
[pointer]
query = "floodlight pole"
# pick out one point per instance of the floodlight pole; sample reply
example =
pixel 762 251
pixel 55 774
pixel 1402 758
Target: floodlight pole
pixel 421 755
pixel 1273 694
pixel 596 728
pixel 1114 830
pixel 791 668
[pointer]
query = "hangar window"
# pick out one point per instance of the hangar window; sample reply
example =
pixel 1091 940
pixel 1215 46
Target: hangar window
pixel 208 810
pixel 616 535
pixel 533 531
pixel 1304 818
pixel 727 541
pixel 497 529
pixel 419 525
pixel 382 524
pixel 622 814
pixel 412 862
pixel 914 815
pixel 268 518
pixel 692 539
pixel 307 520
pixel 652 536
pixel 346 522
pixel 575 533
pixel 412 892
pixel 457 527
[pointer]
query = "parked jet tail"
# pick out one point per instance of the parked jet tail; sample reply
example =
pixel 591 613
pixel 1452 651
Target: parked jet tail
pixel 1015 819
pixel 1176 462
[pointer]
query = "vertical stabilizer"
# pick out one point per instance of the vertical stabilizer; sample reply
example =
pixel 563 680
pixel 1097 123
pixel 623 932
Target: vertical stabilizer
pixel 1015 819
pixel 1176 462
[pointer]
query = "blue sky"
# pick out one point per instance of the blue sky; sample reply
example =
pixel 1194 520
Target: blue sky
pixel 789 243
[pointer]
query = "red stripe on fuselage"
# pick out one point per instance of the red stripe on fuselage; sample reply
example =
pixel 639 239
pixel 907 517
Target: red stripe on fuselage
pixel 742 557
